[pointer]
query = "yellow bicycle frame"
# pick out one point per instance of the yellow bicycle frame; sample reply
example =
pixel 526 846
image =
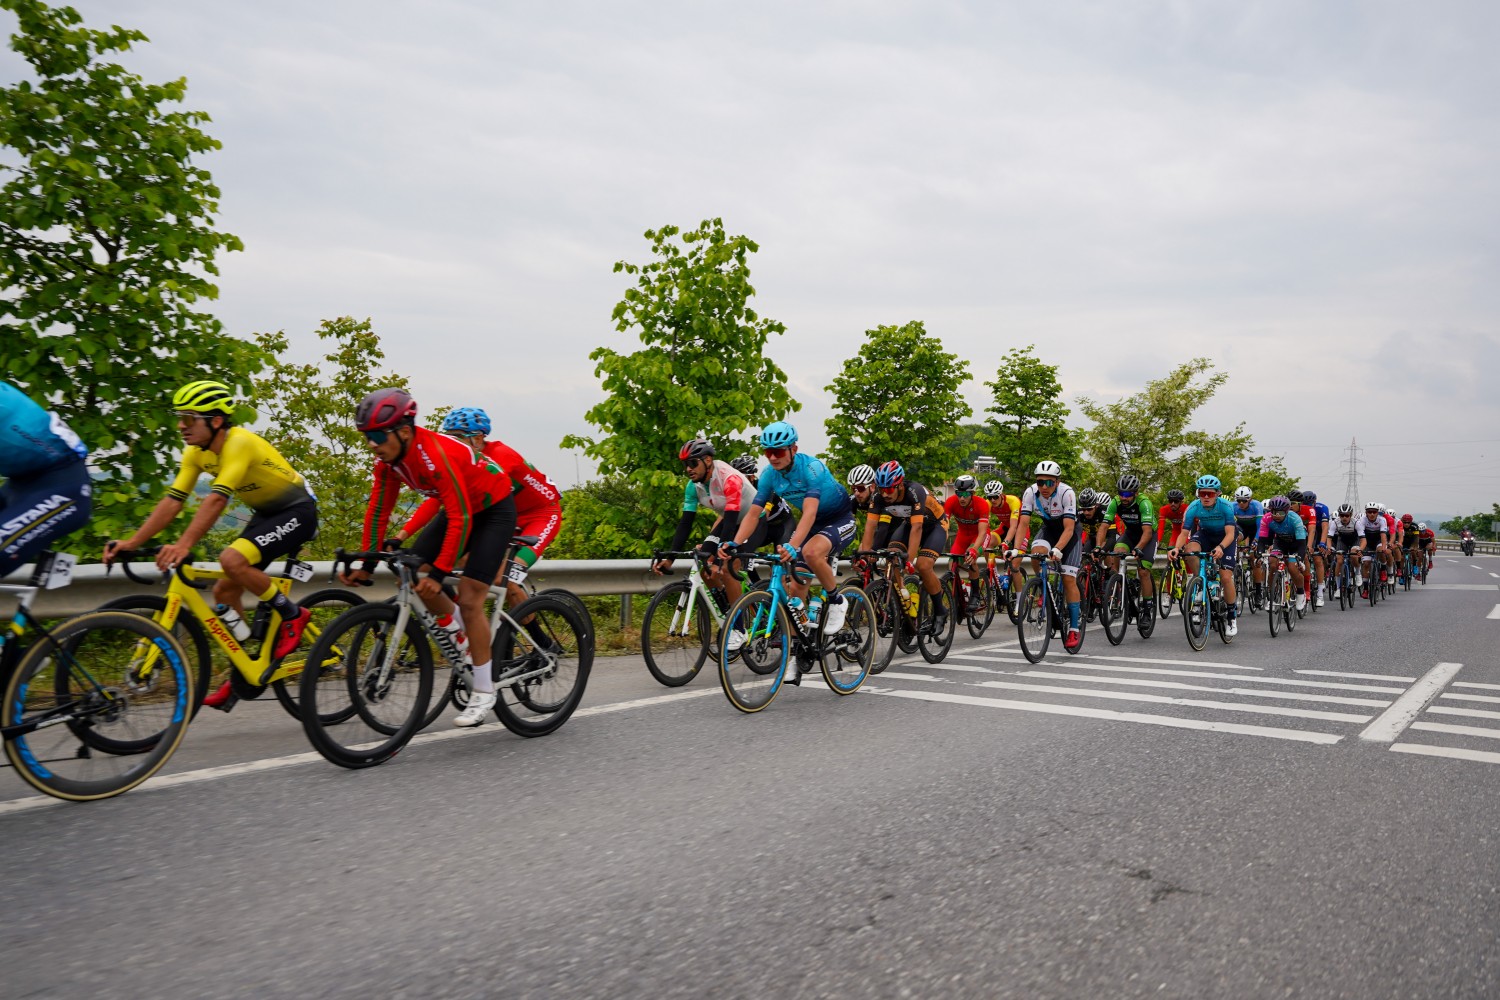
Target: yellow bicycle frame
pixel 259 670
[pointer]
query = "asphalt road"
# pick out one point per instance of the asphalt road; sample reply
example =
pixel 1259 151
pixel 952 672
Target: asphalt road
pixel 1139 820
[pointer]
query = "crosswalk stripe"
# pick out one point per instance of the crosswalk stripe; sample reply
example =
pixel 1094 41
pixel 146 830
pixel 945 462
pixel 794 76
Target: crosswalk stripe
pixel 1457 753
pixel 1444 727
pixel 1183 686
pixel 1180 663
pixel 893 676
pixel 1332 685
pixel 1472 697
pixel 1412 702
pixel 1360 677
pixel 1473 713
pixel 1161 699
pixel 1476 685
pixel 1270 732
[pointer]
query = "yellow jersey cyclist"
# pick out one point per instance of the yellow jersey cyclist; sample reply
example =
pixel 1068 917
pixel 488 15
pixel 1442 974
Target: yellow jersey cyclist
pixel 1136 512
pixel 1005 520
pixel 918 524
pixel 244 466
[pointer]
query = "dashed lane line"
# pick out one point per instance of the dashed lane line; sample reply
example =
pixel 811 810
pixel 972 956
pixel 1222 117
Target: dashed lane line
pixel 1108 715
pixel 1456 753
pixel 1394 720
pixel 1181 686
pixel 1160 699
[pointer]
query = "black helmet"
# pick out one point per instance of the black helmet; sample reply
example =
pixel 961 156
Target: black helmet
pixel 1294 496
pixel 695 449
pixel 746 465
pixel 1129 483
pixel 1174 496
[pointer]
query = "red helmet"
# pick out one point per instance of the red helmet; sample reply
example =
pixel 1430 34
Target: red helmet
pixel 385 408
pixel 1407 519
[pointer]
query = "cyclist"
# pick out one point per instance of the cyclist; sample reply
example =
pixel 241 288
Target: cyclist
pixel 1004 520
pixel 747 466
pixel 1169 517
pixel 1411 540
pixel 1057 505
pixel 477 519
pixel 284 513
pixel 1377 534
pixel 1429 542
pixel 1282 530
pixel 1208 525
pixel 918 524
pixel 47 493
pixel 1347 538
pixel 862 495
pixel 824 528
pixel 972 516
pixel 1091 524
pixel 1317 541
pixel 1247 515
pixel 1136 515
pixel 1393 543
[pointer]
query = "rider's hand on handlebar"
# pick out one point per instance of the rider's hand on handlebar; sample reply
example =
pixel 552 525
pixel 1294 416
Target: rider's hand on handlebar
pixel 112 550
pixel 662 566
pixel 428 587
pixel 168 557
pixel 355 578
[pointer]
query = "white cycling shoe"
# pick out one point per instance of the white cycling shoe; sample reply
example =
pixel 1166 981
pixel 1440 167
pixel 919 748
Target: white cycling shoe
pixel 479 707
pixel 735 640
pixel 1301 601
pixel 1232 629
pixel 834 615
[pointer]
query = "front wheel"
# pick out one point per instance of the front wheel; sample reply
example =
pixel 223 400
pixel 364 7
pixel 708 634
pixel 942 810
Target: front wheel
pixel 1112 613
pixel 934 642
pixel 541 669
pixel 675 634
pixel 752 679
pixel 1195 613
pixel 1164 588
pixel 1035 614
pixel 188 630
pixel 979 607
pixel 1145 611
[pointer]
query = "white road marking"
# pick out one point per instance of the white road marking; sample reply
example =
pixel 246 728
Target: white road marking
pixel 893 676
pixel 1123 659
pixel 1472 697
pixel 1473 713
pixel 1458 753
pixel 1297 735
pixel 1494 613
pixel 1160 699
pixel 1495 575
pixel 1447 727
pixel 1180 686
pixel 292 760
pixel 1477 566
pixel 1361 677
pixel 1246 680
pixel 1462 586
pixel 963 668
pixel 1476 685
pixel 1394 720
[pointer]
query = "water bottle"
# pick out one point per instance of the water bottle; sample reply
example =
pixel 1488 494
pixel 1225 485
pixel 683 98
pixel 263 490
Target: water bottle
pixel 814 609
pixel 232 619
pixel 794 605
pixel 455 629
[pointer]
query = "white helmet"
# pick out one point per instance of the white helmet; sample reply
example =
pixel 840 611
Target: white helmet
pixel 1380 507
pixel 994 488
pixel 1244 493
pixel 861 475
pixel 1421 525
pixel 1047 468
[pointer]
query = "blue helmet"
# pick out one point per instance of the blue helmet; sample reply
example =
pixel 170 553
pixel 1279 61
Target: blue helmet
pixel 778 435
pixel 1209 483
pixel 890 476
pixel 468 421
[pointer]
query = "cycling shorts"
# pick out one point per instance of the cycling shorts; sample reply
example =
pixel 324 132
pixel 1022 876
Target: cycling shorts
pixel 962 541
pixel 268 537
pixel 1372 539
pixel 1410 543
pixel 1137 537
pixel 934 537
pixel 1288 545
pixel 36 510
pixel 490 532
pixel 1049 536
pixel 544 523
pixel 1246 527
pixel 839 531
pixel 1213 538
pixel 1344 543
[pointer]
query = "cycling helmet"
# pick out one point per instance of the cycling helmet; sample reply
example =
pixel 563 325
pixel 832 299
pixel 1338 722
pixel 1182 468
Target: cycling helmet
pixel 1087 497
pixel 1128 483
pixel 1102 499
pixel 1380 507
pixel 204 398
pixel 1294 496
pixel 1346 510
pixel 1371 505
pixel 746 465
pixel 1278 504
pixel 861 475
pixel 1209 483
pixel 966 484
pixel 778 435
pixel 994 488
pixel 385 408
pixel 1174 496
pixel 1308 496
pixel 1407 519
pixel 890 476
pixel 1422 525
pixel 695 449
pixel 1047 468
pixel 467 421
pixel 1244 493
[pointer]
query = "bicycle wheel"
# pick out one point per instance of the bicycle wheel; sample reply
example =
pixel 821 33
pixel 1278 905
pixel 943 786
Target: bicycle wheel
pixel 325 605
pixel 934 643
pixel 1035 626
pixel 541 670
pixel 1164 588
pixel 105 679
pixel 675 634
pixel 579 608
pixel 887 617
pixel 190 633
pixel 1112 614
pixel 378 682
pixel 752 679
pixel 980 609
pixel 1145 611
pixel 910 597
pixel 1288 608
pixel 847 656
pixel 1195 613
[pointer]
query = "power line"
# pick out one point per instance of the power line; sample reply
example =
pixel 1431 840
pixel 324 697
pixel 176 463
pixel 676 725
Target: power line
pixel 1383 444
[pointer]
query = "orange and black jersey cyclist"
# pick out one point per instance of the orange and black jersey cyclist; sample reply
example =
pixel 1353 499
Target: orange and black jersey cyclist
pixel 914 500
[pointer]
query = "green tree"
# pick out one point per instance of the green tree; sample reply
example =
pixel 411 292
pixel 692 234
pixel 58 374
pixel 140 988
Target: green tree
pixel 1480 523
pixel 1149 433
pixel 898 399
pixel 106 249
pixel 592 513
pixel 311 422
pixel 1029 418
pixel 702 369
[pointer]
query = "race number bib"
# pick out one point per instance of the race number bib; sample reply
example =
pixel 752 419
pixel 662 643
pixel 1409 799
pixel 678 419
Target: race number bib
pixel 300 571
pixel 517 572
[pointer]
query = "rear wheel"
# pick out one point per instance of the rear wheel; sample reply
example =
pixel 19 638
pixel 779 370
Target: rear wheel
pixel 542 669
pixel 847 656
pixel 325 605
pixel 886 619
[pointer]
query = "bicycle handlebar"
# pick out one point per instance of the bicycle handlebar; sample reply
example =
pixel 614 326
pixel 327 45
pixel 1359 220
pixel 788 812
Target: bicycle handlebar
pixel 124 557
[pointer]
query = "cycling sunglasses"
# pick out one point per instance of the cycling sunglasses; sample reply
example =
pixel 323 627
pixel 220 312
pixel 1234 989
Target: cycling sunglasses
pixel 377 437
pixel 1046 482
pixel 1126 496
pixel 1206 494
pixel 775 452
pixel 963 493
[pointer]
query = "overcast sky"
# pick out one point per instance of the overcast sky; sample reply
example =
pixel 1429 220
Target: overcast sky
pixel 1303 192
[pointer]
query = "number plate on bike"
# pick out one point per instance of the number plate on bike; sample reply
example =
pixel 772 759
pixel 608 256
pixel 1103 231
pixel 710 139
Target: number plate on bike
pixel 516 573
pixel 300 571
pixel 60 573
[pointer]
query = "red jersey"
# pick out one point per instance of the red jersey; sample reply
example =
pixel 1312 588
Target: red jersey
pixel 1168 519
pixel 1309 515
pixel 450 475
pixel 968 516
pixel 533 491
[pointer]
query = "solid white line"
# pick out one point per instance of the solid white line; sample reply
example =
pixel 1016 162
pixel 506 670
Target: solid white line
pixel 1462 586
pixel 292 760
pixel 1476 685
pixel 1473 697
pixel 1124 659
pixel 1446 727
pixel 1361 677
pixel 893 676
pixel 1298 735
pixel 1180 686
pixel 1246 680
pixel 1458 753
pixel 1473 713
pixel 1161 699
pixel 1394 720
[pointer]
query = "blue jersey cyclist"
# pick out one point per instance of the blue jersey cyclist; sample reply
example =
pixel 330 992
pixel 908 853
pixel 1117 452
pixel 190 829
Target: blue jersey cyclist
pixel 1247 513
pixel 46 494
pixel 1282 530
pixel 827 522
pixel 1208 525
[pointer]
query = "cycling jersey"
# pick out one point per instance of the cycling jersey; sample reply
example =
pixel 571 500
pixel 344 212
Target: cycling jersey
pixel 1168 518
pixel 1061 505
pixel 967 516
pixel 727 489
pixel 1252 511
pixel 1289 527
pixel 914 501
pixel 33 440
pixel 1411 535
pixel 1428 535
pixel 246 468
pixel 1133 514
pixel 1003 513
pixel 806 477
pixel 533 490
pixel 1198 518
pixel 1373 527
pixel 1350 530
pixel 441 468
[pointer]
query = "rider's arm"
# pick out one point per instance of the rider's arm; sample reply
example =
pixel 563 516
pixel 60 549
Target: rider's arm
pixel 689 515
pixel 208 513
pixel 384 489
pixel 425 512
pixel 166 509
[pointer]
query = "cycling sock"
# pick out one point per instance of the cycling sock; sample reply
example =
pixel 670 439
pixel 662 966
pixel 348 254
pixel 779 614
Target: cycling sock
pixel 281 604
pixel 484 679
pixel 1074 613
pixel 534 629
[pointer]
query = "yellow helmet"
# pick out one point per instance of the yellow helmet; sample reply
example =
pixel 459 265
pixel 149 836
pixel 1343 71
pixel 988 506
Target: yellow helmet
pixel 205 398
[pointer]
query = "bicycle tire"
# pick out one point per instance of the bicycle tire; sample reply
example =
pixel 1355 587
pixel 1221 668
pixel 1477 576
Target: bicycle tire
pixel 1035 626
pixel 286 691
pixel 752 680
pixel 1113 613
pixel 1165 586
pixel 1275 589
pixel 191 635
pixel 339 675
pixel 883 607
pixel 1013 596
pixel 932 645
pixel 1195 613
pixel 581 609
pixel 1145 612
pixel 911 605
pixel 669 602
pixel 543 703
pixel 978 619
pixel 845 658
pixel 32 752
